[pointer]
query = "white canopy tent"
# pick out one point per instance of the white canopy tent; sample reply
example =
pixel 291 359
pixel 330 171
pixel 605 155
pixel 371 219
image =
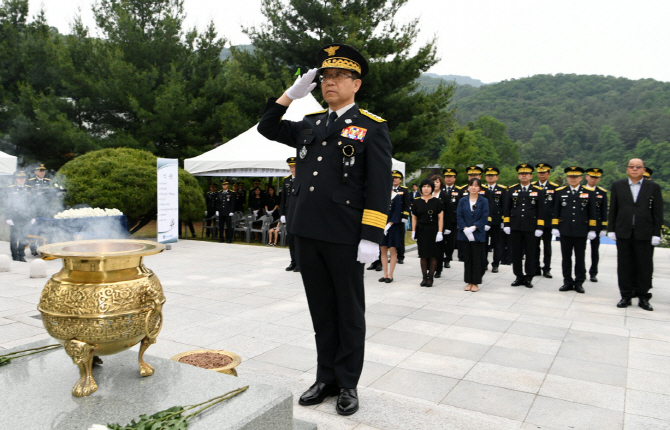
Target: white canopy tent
pixel 251 154
pixel 7 164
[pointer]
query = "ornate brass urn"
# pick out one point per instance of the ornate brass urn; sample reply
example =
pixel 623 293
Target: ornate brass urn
pixel 103 301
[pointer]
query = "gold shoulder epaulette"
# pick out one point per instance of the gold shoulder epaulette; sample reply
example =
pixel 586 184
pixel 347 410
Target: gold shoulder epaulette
pixel 512 186
pixel 417 197
pixel 10 186
pixel 372 116
pixel 502 186
pixel 561 188
pixel 601 189
pixel 460 187
pixel 316 113
pixel 286 176
pixel 534 182
pixel 538 188
pixel 588 188
pixel 553 183
pixel 485 186
pixel 32 179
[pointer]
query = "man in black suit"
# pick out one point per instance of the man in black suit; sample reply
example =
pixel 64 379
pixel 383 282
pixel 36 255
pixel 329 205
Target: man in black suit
pixel 635 220
pixel 340 200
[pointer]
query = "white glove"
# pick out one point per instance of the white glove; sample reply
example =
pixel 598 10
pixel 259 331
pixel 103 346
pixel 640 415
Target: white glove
pixel 655 240
pixel 592 235
pixel 205 213
pixel 230 214
pixel 612 235
pixel 447 231
pixel 302 86
pixel 502 225
pixel 367 251
pixel 386 229
pixel 602 233
pixel 439 237
pixel 413 235
pixel 32 221
pixel 487 227
pixel 507 230
pixel 255 213
pixel 538 233
pixel 10 222
pixel 217 213
pixel 404 220
pixel 555 232
pixel 283 219
pixel 469 235
pixel 270 212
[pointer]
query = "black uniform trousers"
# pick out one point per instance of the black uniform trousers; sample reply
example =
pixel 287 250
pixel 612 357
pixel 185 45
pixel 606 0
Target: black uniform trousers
pixel 634 267
pixel 225 223
pixel 595 256
pixel 473 263
pixel 291 247
pixel 401 249
pixel 523 242
pixel 570 244
pixel 506 249
pixel 450 241
pixel 18 239
pixel 545 239
pixel 496 234
pixel 333 281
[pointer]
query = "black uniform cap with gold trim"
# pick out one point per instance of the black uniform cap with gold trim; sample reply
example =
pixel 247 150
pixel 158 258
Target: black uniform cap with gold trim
pixel 473 170
pixel 492 171
pixel 525 168
pixel 20 174
pixel 595 172
pixel 648 172
pixel 397 174
pixel 338 56
pixel 225 182
pixel 573 171
pixel 449 172
pixel 543 167
pixel 290 161
pixel 41 167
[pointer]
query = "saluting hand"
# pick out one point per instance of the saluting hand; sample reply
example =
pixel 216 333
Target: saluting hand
pixel 302 86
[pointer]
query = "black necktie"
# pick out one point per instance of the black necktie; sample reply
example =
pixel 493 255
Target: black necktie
pixel 331 119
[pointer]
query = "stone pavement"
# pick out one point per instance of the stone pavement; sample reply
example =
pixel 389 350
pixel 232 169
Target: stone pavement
pixel 436 358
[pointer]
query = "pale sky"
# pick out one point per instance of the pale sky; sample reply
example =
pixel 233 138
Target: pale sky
pixel 489 40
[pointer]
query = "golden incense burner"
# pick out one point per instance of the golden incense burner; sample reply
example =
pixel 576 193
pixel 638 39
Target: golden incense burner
pixel 103 301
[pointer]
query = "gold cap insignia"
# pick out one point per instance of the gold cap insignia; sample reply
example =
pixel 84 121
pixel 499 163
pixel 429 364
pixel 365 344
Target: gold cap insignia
pixel 331 50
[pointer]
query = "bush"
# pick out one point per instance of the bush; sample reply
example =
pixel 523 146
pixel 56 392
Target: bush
pixel 125 179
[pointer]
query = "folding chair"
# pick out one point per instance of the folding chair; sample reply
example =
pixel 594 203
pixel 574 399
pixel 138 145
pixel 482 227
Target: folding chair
pixel 212 228
pixel 243 225
pixel 265 228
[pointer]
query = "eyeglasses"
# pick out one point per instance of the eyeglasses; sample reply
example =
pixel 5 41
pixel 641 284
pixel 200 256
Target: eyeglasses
pixel 636 167
pixel 337 77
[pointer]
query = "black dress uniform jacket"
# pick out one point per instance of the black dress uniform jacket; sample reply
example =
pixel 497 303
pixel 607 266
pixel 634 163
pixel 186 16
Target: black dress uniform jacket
pixel 287 186
pixel 574 213
pixel 549 201
pixel 496 198
pixel 350 201
pixel 523 211
pixel 225 202
pixel 211 199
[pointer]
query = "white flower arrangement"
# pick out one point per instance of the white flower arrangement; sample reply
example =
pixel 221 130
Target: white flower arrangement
pixel 87 213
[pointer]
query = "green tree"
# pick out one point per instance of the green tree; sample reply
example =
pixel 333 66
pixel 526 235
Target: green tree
pixel 496 132
pixel 125 179
pixel 297 29
pixel 461 151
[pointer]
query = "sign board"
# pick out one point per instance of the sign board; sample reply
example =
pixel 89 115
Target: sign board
pixel 168 200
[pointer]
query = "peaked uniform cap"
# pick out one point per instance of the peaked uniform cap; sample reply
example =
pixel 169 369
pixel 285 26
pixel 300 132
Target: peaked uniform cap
pixel 290 161
pixel 339 56
pixel 397 174
pixel 595 172
pixel 647 172
pixel 41 167
pixel 543 167
pixel 492 171
pixel 449 172
pixel 525 168
pixel 225 182
pixel 574 171
pixel 473 170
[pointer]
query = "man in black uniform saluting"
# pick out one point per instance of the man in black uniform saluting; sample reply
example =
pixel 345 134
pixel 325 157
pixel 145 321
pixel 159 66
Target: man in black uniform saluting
pixel 340 203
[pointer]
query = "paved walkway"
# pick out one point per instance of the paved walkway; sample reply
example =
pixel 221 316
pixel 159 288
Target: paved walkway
pixel 436 358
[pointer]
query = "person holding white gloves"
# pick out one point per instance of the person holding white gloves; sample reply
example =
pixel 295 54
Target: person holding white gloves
pixel 472 217
pixel 339 211
pixel 392 236
pixel 427 230
pixel 575 221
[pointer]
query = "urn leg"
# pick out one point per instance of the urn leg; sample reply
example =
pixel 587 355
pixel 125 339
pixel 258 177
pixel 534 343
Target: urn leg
pixel 146 369
pixel 82 355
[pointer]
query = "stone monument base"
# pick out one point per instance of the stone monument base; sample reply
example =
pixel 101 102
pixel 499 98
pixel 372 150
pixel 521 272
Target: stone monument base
pixel 37 394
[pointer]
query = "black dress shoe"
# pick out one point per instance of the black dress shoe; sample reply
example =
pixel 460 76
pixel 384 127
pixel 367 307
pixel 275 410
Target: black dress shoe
pixel 291 267
pixel 538 273
pixel 372 266
pixel 388 280
pixel 382 279
pixel 579 289
pixel 424 282
pixel 447 265
pixel 624 303
pixel 401 261
pixel 347 401
pixel 34 253
pixel 296 269
pixel 21 258
pixel 494 269
pixel 547 274
pixel 518 282
pixel 644 304
pixel 565 287
pixel 317 393
pixel 528 284
pixel 594 279
pixel 438 274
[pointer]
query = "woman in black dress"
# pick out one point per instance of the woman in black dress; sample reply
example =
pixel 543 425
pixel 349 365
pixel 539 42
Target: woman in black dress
pixel 256 205
pixel 392 238
pixel 272 204
pixel 442 195
pixel 427 228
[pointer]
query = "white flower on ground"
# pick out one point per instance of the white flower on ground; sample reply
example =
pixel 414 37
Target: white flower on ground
pixel 98 427
pixel 87 213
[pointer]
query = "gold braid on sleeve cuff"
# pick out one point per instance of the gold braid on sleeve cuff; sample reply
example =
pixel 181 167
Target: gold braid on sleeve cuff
pixel 506 219
pixel 374 218
pixel 592 223
pixel 554 221
pixel 540 223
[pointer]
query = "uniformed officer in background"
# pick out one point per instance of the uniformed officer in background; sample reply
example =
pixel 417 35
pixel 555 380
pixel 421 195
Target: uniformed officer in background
pixel 341 192
pixel 211 199
pixel 43 194
pixel 495 193
pixel 19 215
pixel 543 172
pixel 225 208
pixel 593 176
pixel 240 197
pixel 574 222
pixel 648 172
pixel 454 195
pixel 524 221
pixel 404 195
pixel 284 213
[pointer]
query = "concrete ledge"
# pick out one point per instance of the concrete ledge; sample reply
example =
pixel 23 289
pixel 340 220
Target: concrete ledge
pixel 37 391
